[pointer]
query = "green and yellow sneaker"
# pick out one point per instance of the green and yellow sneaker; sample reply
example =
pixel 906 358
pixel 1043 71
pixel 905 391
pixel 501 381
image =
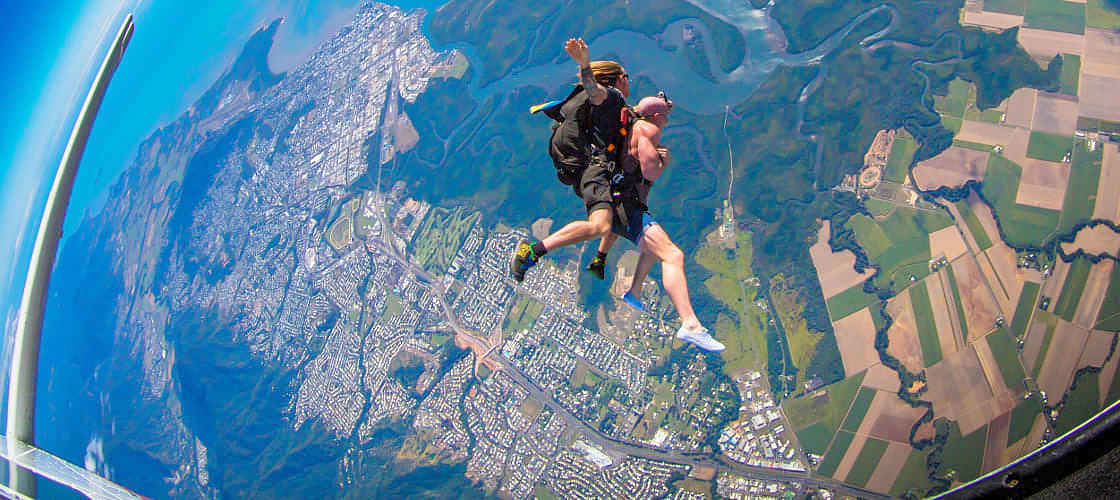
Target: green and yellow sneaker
pixel 597 267
pixel 523 259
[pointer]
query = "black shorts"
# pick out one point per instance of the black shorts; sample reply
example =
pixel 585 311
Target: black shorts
pixel 595 187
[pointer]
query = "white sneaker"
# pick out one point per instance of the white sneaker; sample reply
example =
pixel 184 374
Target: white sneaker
pixel 700 338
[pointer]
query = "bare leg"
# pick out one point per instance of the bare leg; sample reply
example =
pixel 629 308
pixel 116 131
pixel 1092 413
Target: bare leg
pixel 606 243
pixel 598 224
pixel 645 263
pixel 657 243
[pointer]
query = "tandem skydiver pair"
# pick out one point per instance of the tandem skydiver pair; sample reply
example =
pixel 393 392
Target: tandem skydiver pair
pixel 610 154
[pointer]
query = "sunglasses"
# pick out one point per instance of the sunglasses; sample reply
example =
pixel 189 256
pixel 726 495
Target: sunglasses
pixel 668 102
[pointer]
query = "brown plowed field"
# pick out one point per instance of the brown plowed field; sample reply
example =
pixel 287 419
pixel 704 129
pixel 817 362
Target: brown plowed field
pixel 952 168
pixel 890 418
pixel 947 242
pixel 1098 97
pixel 1096 349
pixel 1108 189
pixel 855 336
pixel 1062 359
pixel 1102 53
pixel 1043 44
pixel 959 391
pixel 882 378
pixel 980 307
pixel 992 20
pixel 1043 184
pixel 1056 114
pixel 903 333
pixel 991 134
pixel 1093 296
pixel 1003 260
pixel 997 442
pixel 947 335
pixel 1020 107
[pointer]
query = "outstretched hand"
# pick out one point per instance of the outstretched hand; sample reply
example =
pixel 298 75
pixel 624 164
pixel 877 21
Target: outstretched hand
pixel 578 50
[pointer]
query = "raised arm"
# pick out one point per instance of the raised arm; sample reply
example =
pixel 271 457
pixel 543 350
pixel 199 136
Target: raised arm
pixel 578 50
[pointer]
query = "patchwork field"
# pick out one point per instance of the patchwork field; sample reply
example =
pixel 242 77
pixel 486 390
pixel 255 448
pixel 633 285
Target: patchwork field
pixel 1062 358
pixel 953 167
pixel 1043 184
pixel 959 391
pixel 980 308
pixel 855 336
pixel 890 465
pixel 945 314
pixel 1021 224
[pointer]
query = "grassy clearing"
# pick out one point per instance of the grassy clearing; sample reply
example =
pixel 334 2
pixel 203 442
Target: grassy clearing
pixel 879 208
pixel 957 300
pixel 1109 316
pixel 1081 403
pixel 1049 147
pixel 898 163
pixel 827 409
pixel 953 103
pixel 849 302
pixel 801 340
pixel 1007 357
pixel 815 438
pixel 393 307
pixel 866 462
pixel 859 409
pixel 974 226
pixel 1022 419
pixel 1022 225
pixel 913 478
pixel 1100 15
pixel 835 454
pixel 1056 15
pixel 1072 289
pixel 952 123
pixel 927 327
pixel 1016 7
pixel 975 146
pixel 523 314
pixel 1024 309
pixel 1081 195
pixel 746 340
pixel 963 455
pixel 1071 72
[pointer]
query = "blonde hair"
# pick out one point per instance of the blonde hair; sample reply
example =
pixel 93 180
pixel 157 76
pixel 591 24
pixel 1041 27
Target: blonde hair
pixel 606 72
